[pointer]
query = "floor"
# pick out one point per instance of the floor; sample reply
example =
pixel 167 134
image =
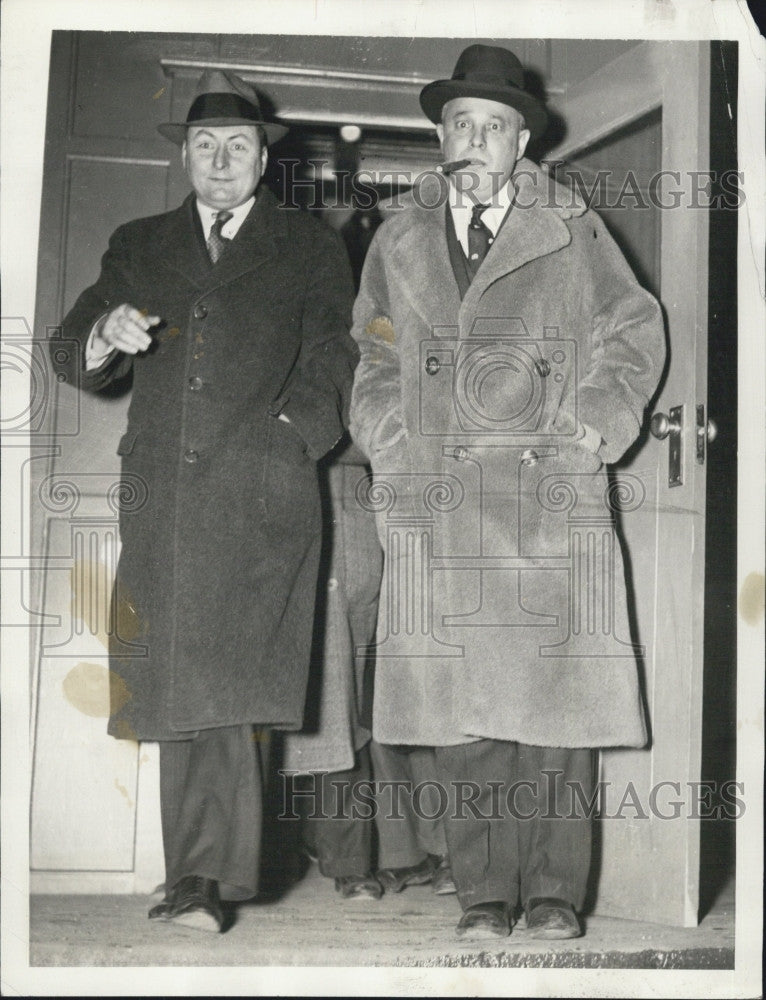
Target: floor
pixel 310 925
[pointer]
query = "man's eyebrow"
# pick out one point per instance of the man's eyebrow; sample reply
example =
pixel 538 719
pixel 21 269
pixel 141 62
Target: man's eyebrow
pixel 206 132
pixel 468 111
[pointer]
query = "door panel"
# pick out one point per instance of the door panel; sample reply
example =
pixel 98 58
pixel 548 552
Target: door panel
pixel 86 786
pixel 656 118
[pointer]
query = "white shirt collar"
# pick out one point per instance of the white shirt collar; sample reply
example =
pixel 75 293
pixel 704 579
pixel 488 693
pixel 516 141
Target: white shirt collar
pixel 460 205
pixel 208 215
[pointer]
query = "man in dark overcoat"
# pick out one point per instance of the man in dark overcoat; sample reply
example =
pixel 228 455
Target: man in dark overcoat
pixel 507 354
pixel 233 315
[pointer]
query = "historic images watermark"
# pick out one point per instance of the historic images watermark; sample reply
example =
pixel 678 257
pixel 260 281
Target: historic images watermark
pixel 602 190
pixel 549 798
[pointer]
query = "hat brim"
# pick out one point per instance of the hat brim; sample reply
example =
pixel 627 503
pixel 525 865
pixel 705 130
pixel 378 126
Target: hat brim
pixel 435 95
pixel 176 131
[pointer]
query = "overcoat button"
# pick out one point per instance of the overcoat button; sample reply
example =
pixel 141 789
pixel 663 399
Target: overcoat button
pixel 460 453
pixel 432 365
pixel 195 383
pixel 529 457
pixel 191 456
pixel 200 311
pixel 543 367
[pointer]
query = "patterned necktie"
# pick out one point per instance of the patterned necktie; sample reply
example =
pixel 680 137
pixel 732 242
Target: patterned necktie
pixel 216 243
pixel 479 237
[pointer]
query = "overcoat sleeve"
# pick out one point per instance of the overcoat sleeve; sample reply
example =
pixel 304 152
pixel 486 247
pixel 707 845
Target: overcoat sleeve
pixel 627 343
pixel 376 411
pixel 318 395
pixel 113 287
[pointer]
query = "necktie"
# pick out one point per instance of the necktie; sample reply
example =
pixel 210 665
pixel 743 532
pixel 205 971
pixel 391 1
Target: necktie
pixel 479 237
pixel 216 243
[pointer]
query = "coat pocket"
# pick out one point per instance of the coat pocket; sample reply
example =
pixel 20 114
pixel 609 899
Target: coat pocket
pixel 285 435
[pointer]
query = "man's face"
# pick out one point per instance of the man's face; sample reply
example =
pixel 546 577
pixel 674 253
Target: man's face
pixel 224 163
pixel 490 134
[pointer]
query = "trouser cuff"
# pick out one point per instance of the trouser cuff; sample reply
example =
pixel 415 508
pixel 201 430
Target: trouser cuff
pixel 488 894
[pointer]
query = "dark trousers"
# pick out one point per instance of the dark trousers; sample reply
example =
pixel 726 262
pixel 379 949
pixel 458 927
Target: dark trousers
pixel 336 825
pixel 409 827
pixel 212 811
pixel 515 829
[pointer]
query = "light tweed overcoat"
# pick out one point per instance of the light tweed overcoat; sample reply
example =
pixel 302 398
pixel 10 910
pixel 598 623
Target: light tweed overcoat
pixel 503 610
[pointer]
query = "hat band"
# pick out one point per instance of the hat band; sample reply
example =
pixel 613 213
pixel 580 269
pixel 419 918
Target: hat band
pixel 490 78
pixel 208 106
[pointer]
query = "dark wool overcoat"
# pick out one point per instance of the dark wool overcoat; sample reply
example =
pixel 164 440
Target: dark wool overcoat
pixel 336 723
pixel 503 611
pixel 220 521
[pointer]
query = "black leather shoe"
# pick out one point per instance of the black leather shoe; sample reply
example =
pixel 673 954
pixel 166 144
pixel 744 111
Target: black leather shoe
pixel 229 893
pixel 195 903
pixel 485 920
pixel 358 887
pixel 396 879
pixel 161 911
pixel 550 919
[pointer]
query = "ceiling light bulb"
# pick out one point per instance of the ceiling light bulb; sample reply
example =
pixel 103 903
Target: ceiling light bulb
pixel 350 133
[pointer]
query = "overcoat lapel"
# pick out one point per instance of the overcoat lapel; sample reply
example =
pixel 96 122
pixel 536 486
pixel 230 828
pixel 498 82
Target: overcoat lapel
pixel 425 272
pixel 422 257
pixel 528 232
pixel 260 238
pixel 255 243
pixel 181 249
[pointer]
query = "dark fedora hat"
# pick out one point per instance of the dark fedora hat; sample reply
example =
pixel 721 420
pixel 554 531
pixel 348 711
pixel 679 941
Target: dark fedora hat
pixel 222 98
pixel 490 72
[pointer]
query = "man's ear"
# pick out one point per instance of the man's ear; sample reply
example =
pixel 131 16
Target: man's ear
pixel 264 158
pixel 183 154
pixel 523 140
pixel 440 132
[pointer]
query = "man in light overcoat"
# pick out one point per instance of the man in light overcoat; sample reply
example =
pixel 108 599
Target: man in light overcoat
pixel 507 355
pixel 232 315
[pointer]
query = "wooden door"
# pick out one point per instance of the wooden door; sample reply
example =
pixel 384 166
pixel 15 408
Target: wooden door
pixel 94 817
pixel 645 112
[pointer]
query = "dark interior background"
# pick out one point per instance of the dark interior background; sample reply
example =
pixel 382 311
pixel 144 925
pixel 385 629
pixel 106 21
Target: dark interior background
pixel 719 707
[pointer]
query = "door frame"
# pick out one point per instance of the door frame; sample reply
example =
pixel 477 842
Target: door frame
pixel 673 77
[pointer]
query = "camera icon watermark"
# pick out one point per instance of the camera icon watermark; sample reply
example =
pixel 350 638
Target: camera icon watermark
pixel 31 386
pixel 497 381
pixel 495 514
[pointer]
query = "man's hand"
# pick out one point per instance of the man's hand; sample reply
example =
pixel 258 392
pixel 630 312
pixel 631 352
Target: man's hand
pixel 125 329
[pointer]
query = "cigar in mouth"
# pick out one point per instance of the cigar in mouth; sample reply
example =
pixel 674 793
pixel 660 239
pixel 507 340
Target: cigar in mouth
pixel 451 166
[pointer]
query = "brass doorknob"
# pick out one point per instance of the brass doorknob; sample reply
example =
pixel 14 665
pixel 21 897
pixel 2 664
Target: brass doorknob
pixel 712 431
pixel 661 425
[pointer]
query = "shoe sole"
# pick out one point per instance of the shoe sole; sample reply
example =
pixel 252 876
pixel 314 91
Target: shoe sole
pixel 481 934
pixel 198 920
pixel 554 934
